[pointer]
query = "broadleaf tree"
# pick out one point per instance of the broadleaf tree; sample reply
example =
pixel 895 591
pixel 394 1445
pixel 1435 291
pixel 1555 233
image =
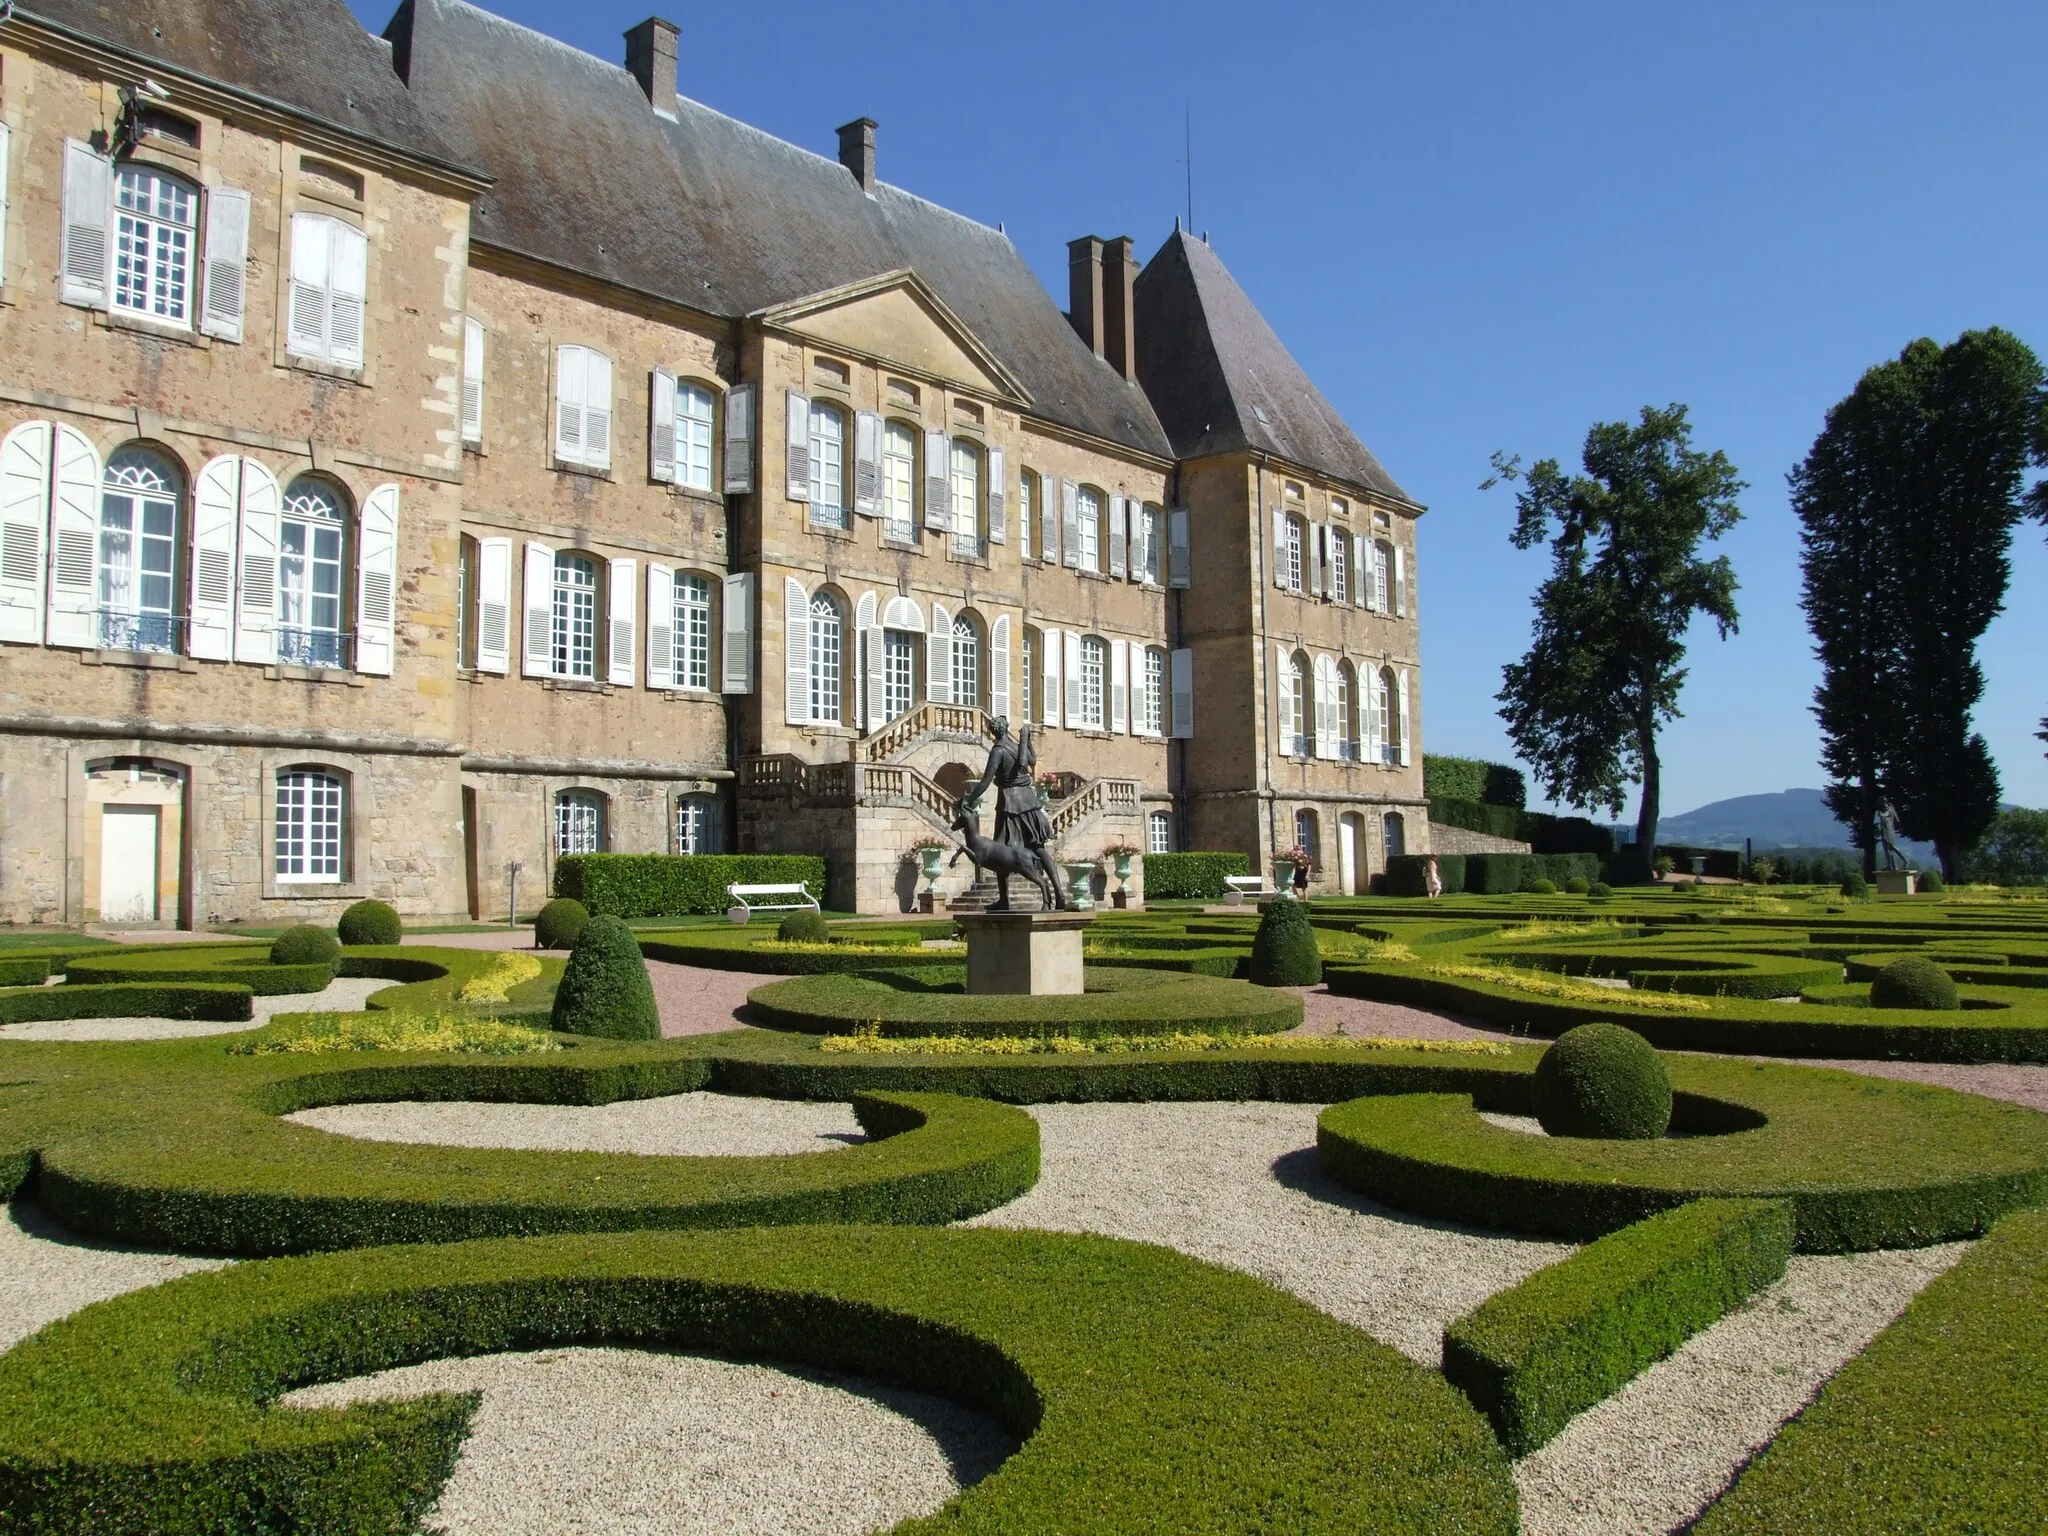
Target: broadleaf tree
pixel 1605 665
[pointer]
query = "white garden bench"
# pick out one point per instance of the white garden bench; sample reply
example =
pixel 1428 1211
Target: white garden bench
pixel 749 899
pixel 1242 886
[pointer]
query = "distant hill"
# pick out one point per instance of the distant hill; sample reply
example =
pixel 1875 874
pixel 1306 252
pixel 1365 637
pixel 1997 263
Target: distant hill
pixel 1792 818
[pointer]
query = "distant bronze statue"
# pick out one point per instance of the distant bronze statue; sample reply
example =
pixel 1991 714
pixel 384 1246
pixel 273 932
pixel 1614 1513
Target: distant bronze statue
pixel 1888 836
pixel 1021 823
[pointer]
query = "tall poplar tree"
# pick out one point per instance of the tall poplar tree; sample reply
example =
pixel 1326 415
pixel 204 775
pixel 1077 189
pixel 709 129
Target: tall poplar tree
pixel 1604 668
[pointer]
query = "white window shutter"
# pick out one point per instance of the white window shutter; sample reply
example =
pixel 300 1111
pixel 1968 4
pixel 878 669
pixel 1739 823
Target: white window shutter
pixel 88 209
pixel 74 541
pixel 796 652
pixel 569 395
pixel 1400 585
pixel 1401 706
pixel 1283 700
pixel 739 441
pixel 1312 559
pixel 377 582
pixel 24 514
pixel 494 606
pixel 796 431
pixel 1048 521
pixel 256 598
pixel 1280 549
pixel 472 379
pixel 622 646
pixel 216 520
pixel 6 157
pixel 597 410
pixel 1075 719
pixel 539 598
pixel 661 625
pixel 938 658
pixel 1070 524
pixel 866 627
pixel 1179 556
pixel 736 636
pixel 1119 534
pixel 1144 543
pixel 227 262
pixel 1182 665
pixel 867 464
pixel 999 666
pixel 348 294
pixel 998 498
pixel 1327 731
pixel 1119 685
pixel 1361 571
pixel 1049 689
pixel 938 482
pixel 306 308
pixel 661 428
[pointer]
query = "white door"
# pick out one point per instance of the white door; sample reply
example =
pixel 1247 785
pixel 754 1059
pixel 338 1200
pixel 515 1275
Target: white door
pixel 128 846
pixel 1347 853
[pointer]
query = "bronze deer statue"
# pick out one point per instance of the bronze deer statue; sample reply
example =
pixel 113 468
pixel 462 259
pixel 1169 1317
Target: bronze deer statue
pixel 1003 859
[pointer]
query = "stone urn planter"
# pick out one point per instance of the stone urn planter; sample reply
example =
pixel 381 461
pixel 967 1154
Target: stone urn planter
pixel 1080 885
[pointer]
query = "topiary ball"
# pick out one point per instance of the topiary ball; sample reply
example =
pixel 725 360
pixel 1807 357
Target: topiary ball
pixel 1599 890
pixel 1931 882
pixel 605 990
pixel 803 928
pixel 1855 887
pixel 1284 950
pixel 304 945
pixel 560 924
pixel 1914 982
pixel 1543 888
pixel 370 922
pixel 1605 1081
pixel 1578 885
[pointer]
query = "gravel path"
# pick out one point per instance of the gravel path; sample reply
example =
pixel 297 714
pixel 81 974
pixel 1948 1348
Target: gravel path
pixel 345 994
pixel 602 1441
pixel 679 1125
pixel 1325 1013
pixel 50 1273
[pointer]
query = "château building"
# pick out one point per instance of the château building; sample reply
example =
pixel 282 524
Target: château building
pixel 392 492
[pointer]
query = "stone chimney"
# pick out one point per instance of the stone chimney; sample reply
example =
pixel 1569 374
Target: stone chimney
pixel 651 59
pixel 1120 306
pixel 1084 289
pixel 857 150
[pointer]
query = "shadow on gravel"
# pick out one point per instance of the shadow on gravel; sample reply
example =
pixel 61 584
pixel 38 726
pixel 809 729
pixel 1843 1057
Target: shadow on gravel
pixel 1302 1172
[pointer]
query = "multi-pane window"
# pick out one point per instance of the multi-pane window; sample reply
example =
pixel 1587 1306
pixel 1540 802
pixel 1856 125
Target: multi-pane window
pixel 693 436
pixel 693 631
pixel 698 825
pixel 1027 512
pixel 1383 711
pixel 899 672
pixel 308 848
pixel 574 623
pixel 1088 528
pixel 966 498
pixel 309 548
pixel 828 466
pixel 466 554
pixel 1308 836
pixel 1159 832
pixel 899 482
pixel 1394 832
pixel 1382 568
pixel 1295 730
pixel 1340 565
pixel 137 553
pixel 828 659
pixel 155 235
pixel 1152 697
pixel 1147 543
pixel 966 650
pixel 1030 696
pixel 1296 534
pixel 579 822
pixel 1094 656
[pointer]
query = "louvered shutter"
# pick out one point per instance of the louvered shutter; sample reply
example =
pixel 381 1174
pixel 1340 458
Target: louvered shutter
pixel 539 598
pixel 216 519
pixel 736 637
pixel 74 541
pixel 569 394
pixel 227 262
pixel 1048 521
pixel 1361 571
pixel 796 432
pixel 377 582
pixel 1312 559
pixel 1326 707
pixel 1145 545
pixel 874 664
pixel 999 667
pixel 1119 534
pixel 866 625
pixel 1119 685
pixel 622 645
pixel 1283 700
pixel 867 464
pixel 1070 524
pixel 1072 667
pixel 1049 689
pixel 472 379
pixel 1182 665
pixel 256 604
pixel 938 485
pixel 938 658
pixel 739 442
pixel 597 410
pixel 494 606
pixel 1280 550
pixel 1179 557
pixel 348 293
pixel 306 308
pixel 1400 584
pixel 796 652
pixel 6 145
pixel 661 625
pixel 661 428
pixel 998 504
pixel 24 514
pixel 88 208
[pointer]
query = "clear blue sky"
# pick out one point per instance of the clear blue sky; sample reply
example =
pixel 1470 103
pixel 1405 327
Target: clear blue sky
pixel 1487 226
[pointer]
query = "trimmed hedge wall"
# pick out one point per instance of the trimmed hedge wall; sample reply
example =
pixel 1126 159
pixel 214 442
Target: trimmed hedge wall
pixel 1534 1356
pixel 219 1001
pixel 240 965
pixel 1191 876
pixel 1408 873
pixel 1472 779
pixel 24 970
pixel 1502 874
pixel 677 884
pixel 1157 1394
pixel 760 951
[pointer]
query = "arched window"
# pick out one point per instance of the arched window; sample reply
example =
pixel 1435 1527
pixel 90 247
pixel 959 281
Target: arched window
pixel 1034 647
pixel 966 499
pixel 1389 717
pixel 1088 527
pixel 699 827
pixel 574 617
pixel 1297 539
pixel 311 539
pixel 692 631
pixel 1347 712
pixel 966 650
pixel 695 411
pixel 899 483
pixel 1152 693
pixel 828 465
pixel 1308 834
pixel 138 552
pixel 1159 832
pixel 579 821
pixel 828 661
pixel 1295 729
pixel 308 827
pixel 155 236
pixel 468 551
pixel 1394 830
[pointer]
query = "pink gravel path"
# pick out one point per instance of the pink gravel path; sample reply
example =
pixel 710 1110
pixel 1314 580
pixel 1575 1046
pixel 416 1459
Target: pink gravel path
pixel 696 1001
pixel 1325 1013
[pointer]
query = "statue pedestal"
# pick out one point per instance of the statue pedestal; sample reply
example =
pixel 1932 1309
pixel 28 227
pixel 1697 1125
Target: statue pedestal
pixel 1013 953
pixel 1897 882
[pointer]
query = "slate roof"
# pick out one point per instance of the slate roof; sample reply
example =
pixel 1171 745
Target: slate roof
pixel 711 213
pixel 1221 381
pixel 311 55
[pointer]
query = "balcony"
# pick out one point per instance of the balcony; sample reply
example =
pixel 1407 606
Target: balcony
pixel 161 634
pixel 326 648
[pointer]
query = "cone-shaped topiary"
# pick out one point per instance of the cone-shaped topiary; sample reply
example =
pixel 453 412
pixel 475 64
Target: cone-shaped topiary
pixel 805 927
pixel 1605 1081
pixel 560 924
pixel 370 922
pixel 1284 950
pixel 304 945
pixel 1914 982
pixel 605 990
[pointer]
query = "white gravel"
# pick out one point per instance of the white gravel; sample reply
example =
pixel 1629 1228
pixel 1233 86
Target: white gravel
pixel 345 994
pixel 678 1125
pixel 48 1273
pixel 620 1442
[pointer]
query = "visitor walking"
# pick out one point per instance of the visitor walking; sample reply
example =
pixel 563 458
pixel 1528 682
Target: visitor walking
pixel 1431 880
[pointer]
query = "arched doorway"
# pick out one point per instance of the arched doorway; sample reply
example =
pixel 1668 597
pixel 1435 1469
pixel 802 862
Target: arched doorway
pixel 954 778
pixel 134 842
pixel 1350 847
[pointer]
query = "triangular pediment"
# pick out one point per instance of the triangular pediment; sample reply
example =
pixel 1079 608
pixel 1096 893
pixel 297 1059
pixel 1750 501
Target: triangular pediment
pixel 897 318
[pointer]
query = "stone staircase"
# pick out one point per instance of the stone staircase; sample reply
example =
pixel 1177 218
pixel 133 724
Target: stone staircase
pixel 921 724
pixel 848 784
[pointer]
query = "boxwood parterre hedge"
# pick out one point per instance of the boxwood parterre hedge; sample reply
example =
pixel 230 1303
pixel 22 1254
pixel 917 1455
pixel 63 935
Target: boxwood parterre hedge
pixel 246 965
pixel 675 884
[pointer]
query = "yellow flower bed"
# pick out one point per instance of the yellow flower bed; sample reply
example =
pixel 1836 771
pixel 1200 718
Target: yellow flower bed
pixel 838 947
pixel 1544 984
pixel 870 1043
pixel 316 1034
pixel 496 984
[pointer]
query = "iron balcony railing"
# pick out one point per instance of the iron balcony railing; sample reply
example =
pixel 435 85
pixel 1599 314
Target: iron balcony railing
pixel 161 633
pixel 315 648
